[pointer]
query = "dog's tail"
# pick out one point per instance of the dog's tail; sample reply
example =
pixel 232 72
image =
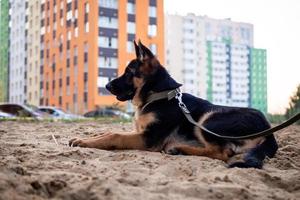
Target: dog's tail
pixel 255 157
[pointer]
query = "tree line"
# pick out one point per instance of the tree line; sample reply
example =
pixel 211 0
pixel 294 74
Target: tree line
pixel 293 109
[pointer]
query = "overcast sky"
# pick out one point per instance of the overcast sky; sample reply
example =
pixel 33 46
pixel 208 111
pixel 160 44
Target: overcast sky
pixel 276 28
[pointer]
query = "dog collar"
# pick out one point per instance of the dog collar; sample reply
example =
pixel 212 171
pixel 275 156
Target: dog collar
pixel 167 94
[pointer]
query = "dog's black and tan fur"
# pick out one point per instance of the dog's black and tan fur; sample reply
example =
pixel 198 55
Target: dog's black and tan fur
pixel 161 125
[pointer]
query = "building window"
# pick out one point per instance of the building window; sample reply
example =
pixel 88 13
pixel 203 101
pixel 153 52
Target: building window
pixel 107 42
pixel 152 29
pixel 131 27
pixel 109 3
pixel 152 11
pixel 62 22
pixel 75 60
pixel 85 77
pixel 102 81
pixel 87 8
pixel 68 80
pixel 86 27
pixel 68 90
pixel 69 6
pixel 85 97
pixel 86 17
pixel 86 49
pixel 153 48
pixel 107 62
pixel 76 32
pixel 60 100
pixel 130 47
pixel 75 4
pixel 68 62
pixel 69 18
pixel 75 97
pixel 130 8
pixel 108 22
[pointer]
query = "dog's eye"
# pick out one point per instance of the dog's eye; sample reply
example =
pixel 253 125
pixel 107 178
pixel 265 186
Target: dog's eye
pixel 128 77
pixel 130 70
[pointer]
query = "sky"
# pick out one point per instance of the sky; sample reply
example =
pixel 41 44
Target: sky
pixel 276 28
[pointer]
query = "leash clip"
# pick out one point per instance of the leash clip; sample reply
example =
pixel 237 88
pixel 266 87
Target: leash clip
pixel 181 105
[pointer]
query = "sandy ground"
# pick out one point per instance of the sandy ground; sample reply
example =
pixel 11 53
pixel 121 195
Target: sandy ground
pixel 32 166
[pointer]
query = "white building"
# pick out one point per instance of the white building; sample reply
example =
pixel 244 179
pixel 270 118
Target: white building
pixel 18 51
pixel 210 57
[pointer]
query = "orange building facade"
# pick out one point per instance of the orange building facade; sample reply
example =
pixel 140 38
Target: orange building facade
pixel 86 43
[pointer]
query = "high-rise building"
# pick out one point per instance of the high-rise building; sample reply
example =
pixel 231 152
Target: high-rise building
pixel 33 22
pixel 258 79
pixel 215 60
pixel 85 44
pixel 4 49
pixel 18 51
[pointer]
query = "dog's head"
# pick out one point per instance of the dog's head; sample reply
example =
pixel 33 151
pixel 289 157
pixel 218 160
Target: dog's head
pixel 142 75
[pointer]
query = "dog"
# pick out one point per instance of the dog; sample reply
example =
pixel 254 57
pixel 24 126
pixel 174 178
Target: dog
pixel 161 126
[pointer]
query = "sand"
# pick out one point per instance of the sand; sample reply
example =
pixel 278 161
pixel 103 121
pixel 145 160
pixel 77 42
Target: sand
pixel 32 166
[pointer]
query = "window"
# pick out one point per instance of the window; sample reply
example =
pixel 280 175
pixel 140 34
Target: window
pixel 68 90
pixel 75 61
pixel 107 42
pixel 109 3
pixel 130 47
pixel 130 8
pixel 102 81
pixel 76 32
pixel 152 11
pixel 86 49
pixel 85 99
pixel 131 27
pixel 153 48
pixel 85 77
pixel 61 21
pixel 75 4
pixel 69 35
pixel 86 28
pixel 152 30
pixel 87 8
pixel 107 62
pixel 108 22
pixel 86 17
pixel 69 15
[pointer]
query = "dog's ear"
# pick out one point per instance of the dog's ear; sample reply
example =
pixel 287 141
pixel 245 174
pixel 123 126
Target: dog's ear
pixel 138 51
pixel 150 62
pixel 142 52
pixel 146 53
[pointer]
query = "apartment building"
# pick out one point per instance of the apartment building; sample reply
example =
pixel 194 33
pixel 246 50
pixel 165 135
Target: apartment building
pixel 4 49
pixel 258 79
pixel 33 22
pixel 85 44
pixel 215 60
pixel 18 51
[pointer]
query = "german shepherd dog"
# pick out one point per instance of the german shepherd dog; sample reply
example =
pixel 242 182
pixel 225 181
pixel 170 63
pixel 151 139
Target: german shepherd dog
pixel 161 125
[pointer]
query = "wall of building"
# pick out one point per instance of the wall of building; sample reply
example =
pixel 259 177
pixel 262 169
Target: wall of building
pixel 68 53
pixel 4 49
pixel 174 46
pixel 18 52
pixel 137 19
pixel 33 22
pixel 85 44
pixel 258 79
pixel 212 58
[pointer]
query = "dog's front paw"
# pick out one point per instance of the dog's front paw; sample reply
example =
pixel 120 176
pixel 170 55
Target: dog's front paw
pixel 76 142
pixel 174 151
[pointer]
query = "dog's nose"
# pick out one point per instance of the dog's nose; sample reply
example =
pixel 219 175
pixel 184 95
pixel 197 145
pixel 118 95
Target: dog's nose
pixel 109 86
